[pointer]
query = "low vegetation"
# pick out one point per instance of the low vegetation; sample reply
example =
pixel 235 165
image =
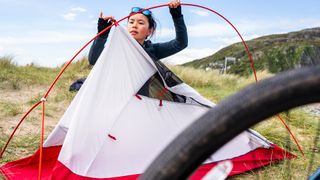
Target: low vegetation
pixel 23 86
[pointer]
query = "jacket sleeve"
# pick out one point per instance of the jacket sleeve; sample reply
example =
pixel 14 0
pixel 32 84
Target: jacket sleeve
pixel 96 49
pixel 162 50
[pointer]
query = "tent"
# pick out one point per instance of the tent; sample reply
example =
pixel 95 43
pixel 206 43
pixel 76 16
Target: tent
pixel 129 108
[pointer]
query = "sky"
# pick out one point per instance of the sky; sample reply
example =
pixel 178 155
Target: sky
pixel 48 33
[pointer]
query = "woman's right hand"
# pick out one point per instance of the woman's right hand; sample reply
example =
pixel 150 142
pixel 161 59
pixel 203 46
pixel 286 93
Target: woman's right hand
pixel 106 18
pixel 104 22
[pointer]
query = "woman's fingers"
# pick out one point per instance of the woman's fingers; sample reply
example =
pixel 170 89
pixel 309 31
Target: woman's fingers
pixel 174 3
pixel 106 17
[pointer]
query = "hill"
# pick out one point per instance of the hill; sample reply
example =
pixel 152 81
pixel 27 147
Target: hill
pixel 274 53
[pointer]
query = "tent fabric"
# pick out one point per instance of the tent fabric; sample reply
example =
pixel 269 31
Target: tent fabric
pixel 107 132
pixel 27 168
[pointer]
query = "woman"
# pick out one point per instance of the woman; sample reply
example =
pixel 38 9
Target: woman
pixel 141 26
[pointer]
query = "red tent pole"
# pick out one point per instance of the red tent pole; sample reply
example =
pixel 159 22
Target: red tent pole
pixel 43 100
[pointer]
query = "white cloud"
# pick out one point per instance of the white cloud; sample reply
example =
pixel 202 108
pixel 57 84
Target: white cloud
pixel 73 13
pixel 69 16
pixel 45 37
pixel 189 54
pixel 209 30
pixel 200 12
pixel 20 55
pixel 233 39
pixel 78 9
pixel 59 61
pixel 165 32
pixel 200 30
pixel 16 50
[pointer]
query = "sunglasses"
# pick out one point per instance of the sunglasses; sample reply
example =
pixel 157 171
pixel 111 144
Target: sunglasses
pixel 145 12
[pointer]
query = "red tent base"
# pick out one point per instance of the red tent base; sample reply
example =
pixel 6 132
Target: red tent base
pixel 27 168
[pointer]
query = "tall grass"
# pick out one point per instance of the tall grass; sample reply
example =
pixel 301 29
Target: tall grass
pixel 10 109
pixel 213 85
pixel 15 77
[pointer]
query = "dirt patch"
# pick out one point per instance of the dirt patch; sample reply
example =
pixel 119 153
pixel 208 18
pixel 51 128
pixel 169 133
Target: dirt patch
pixel 31 124
pixel 21 96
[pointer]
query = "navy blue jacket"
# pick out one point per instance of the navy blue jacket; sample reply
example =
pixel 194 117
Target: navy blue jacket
pixel 156 50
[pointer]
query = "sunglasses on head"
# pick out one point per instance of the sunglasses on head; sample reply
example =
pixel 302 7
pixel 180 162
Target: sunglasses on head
pixel 145 12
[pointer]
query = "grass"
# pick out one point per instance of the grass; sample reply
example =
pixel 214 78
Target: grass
pixel 213 85
pixel 10 109
pixel 35 80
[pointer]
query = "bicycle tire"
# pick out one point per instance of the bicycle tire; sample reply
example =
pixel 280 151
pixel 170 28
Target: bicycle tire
pixel 221 123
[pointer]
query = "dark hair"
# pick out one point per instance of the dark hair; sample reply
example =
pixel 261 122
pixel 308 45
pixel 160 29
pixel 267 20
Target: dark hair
pixel 151 21
pixel 152 24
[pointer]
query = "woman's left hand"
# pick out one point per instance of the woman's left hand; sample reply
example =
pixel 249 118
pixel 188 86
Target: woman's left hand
pixel 174 4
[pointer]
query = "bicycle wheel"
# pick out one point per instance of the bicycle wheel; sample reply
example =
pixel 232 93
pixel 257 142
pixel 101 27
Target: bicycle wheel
pixel 219 125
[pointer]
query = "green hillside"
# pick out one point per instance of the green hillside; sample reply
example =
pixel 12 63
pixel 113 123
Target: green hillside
pixel 274 53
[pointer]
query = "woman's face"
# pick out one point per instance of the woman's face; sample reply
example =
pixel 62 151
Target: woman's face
pixel 138 27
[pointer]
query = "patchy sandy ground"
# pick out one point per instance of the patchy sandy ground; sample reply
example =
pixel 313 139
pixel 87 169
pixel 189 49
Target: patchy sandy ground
pixel 32 124
pixel 20 96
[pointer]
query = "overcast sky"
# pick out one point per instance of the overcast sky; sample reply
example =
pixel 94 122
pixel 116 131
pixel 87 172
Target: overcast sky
pixel 49 33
